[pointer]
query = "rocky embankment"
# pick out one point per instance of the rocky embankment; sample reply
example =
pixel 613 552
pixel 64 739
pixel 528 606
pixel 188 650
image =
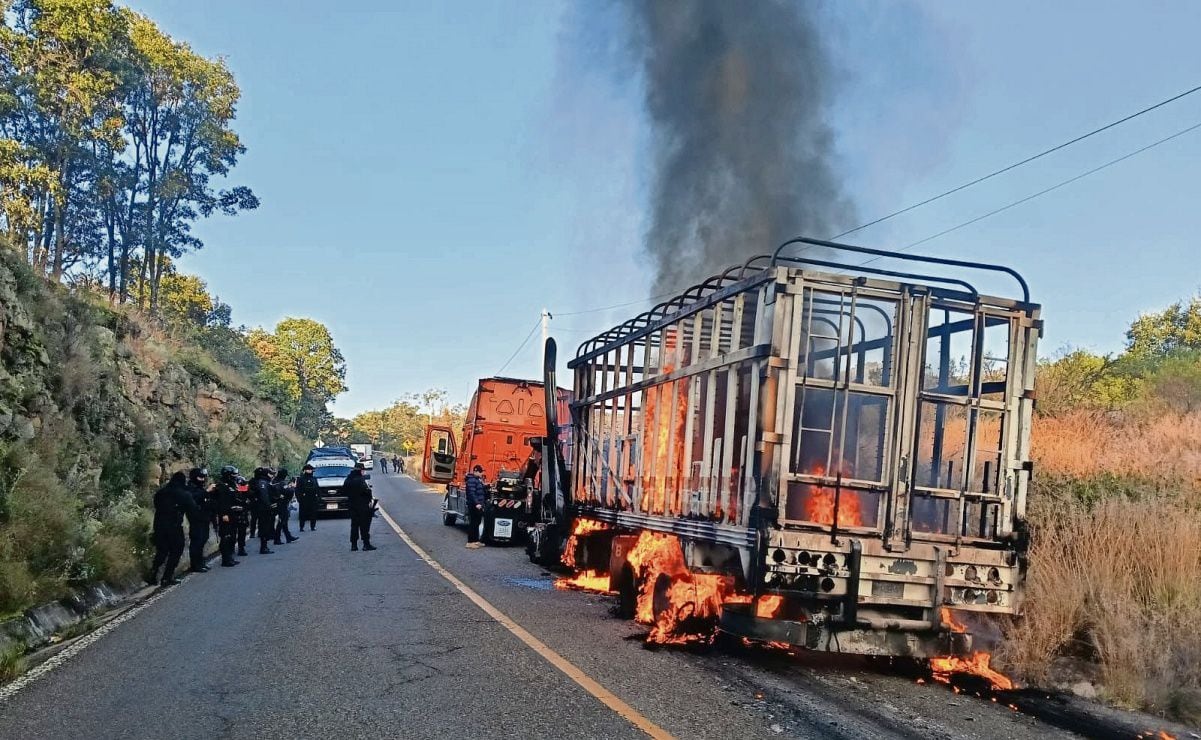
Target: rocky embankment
pixel 97 406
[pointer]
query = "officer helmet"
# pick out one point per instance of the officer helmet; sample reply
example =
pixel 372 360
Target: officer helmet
pixel 308 468
pixel 229 472
pixel 478 469
pixel 198 475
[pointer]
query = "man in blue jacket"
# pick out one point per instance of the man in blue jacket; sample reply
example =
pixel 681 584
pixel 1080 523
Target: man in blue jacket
pixel 477 494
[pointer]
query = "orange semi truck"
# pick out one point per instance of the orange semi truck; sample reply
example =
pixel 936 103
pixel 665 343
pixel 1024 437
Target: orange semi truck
pixel 504 415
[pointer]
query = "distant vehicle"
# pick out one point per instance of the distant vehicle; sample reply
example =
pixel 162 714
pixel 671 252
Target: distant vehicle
pixel 317 452
pixel 364 452
pixel 504 414
pixel 330 472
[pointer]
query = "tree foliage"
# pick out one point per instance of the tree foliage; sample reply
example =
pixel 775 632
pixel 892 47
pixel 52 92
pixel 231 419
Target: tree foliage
pixel 1159 371
pixel 401 426
pixel 114 139
pixel 1159 334
pixel 301 369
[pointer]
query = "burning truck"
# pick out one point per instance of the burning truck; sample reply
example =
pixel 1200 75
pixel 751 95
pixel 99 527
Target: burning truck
pixel 806 449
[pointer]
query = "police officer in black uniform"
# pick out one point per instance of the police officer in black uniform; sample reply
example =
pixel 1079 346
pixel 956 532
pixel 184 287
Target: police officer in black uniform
pixel 247 510
pixel 171 503
pixel 362 507
pixel 308 493
pixel 230 512
pixel 264 509
pixel 283 496
pixel 200 519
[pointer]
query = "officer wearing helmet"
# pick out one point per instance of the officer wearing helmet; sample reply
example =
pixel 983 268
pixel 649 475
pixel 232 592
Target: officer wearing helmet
pixel 308 493
pixel 246 501
pixel 362 507
pixel 264 508
pixel 231 513
pixel 199 518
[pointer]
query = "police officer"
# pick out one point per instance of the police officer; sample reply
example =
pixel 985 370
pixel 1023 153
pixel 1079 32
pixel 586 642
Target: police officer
pixel 200 519
pixel 171 503
pixel 246 510
pixel 308 493
pixel 260 493
pixel 283 500
pixel 362 507
pixel 230 512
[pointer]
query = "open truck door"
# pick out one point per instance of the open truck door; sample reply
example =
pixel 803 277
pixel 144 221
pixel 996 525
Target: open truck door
pixel 438 463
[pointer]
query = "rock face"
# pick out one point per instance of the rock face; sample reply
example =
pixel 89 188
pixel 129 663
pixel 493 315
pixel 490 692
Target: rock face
pixel 97 407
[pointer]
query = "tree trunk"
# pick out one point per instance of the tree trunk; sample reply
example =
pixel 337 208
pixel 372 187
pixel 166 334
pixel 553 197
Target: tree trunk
pixel 60 242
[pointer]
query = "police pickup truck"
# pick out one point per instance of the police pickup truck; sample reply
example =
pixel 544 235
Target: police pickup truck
pixel 330 472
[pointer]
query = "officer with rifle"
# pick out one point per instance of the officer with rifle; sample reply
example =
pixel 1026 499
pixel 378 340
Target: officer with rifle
pixel 231 514
pixel 199 519
pixel 362 507
pixel 264 507
pixel 171 503
pixel 282 495
pixel 308 493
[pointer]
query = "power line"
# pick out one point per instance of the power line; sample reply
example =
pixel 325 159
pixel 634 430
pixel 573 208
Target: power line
pixel 1015 165
pixel 1040 193
pixel 971 183
pixel 521 346
pixel 616 305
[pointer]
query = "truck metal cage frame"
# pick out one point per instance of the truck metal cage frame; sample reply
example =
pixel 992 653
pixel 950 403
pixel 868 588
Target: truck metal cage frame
pixel 852 436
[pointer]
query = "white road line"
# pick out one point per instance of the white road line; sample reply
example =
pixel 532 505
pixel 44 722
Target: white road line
pixel 12 689
pixel 605 696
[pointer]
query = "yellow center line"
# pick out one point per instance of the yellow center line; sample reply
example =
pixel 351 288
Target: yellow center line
pixel 608 698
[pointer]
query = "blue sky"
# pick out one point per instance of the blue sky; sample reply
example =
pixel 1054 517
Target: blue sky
pixel 433 174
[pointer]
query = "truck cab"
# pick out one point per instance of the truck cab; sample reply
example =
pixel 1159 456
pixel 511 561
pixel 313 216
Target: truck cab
pixel 503 415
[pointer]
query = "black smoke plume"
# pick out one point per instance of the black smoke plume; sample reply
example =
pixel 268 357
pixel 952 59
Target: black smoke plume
pixel 736 93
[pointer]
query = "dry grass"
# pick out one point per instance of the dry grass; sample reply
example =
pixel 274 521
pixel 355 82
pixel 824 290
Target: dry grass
pixel 1115 558
pixel 1086 444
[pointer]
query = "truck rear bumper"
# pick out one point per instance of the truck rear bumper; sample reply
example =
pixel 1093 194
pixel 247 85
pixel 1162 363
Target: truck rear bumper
pixel 901 640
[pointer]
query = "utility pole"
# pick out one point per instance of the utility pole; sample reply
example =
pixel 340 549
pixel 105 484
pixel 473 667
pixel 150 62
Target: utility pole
pixel 546 317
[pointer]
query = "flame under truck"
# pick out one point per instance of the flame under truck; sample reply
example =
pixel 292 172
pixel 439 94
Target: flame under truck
pixel 847 443
pixel 503 417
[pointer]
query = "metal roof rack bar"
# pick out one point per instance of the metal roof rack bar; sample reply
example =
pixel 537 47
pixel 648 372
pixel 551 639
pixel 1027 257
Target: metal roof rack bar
pixel 909 257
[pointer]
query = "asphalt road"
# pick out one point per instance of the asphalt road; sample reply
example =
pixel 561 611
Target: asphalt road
pixel 317 641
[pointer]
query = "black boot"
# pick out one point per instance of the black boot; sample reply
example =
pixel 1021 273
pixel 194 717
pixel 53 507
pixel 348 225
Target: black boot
pixel 170 582
pixel 241 552
pixel 264 551
pixel 354 547
pixel 368 546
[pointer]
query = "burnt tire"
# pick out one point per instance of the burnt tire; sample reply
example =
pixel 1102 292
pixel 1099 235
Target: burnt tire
pixel 627 593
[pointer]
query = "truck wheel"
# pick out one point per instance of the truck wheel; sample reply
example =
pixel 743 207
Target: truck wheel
pixel 627 593
pixel 486 522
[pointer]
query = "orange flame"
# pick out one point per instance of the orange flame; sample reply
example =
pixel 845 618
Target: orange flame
pixel 819 505
pixel 680 606
pixel 585 580
pixel 976 664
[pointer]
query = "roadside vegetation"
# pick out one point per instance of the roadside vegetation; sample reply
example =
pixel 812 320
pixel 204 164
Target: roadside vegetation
pixel 1114 592
pixel 400 428
pixel 117 368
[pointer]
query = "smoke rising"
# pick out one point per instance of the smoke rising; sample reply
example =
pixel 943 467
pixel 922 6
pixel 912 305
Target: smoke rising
pixel 742 154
